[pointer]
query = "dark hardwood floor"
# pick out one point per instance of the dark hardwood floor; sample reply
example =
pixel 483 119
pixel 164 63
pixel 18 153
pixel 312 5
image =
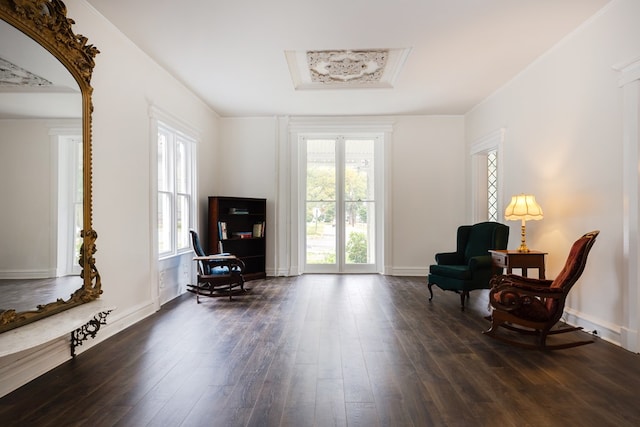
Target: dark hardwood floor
pixel 324 350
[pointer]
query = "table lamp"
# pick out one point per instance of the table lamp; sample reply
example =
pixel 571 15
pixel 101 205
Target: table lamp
pixel 523 207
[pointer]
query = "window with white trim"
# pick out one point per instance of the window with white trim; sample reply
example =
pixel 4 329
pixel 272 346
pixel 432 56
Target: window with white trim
pixel 486 154
pixel 176 198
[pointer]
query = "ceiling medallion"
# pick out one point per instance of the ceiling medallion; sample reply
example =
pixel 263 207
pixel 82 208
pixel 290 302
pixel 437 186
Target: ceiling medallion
pixel 341 66
pixel 331 69
pixel 13 76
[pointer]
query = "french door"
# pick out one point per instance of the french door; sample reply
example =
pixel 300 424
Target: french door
pixel 340 209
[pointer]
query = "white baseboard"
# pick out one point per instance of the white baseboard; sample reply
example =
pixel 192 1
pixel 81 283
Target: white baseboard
pixel 607 331
pixel 408 271
pixel 27 274
pixel 388 271
pixel 630 339
pixel 274 272
pixel 281 272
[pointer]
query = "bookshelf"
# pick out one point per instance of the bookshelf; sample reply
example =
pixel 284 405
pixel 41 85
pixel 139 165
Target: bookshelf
pixel 237 226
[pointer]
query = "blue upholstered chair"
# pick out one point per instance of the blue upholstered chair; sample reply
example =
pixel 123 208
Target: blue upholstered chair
pixel 470 266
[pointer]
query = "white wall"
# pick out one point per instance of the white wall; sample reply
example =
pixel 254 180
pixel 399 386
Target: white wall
pixel 426 193
pixel 246 166
pixel 428 188
pixel 563 120
pixel 126 82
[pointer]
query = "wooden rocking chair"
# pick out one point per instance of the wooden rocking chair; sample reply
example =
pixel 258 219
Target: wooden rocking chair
pixel 534 306
pixel 218 274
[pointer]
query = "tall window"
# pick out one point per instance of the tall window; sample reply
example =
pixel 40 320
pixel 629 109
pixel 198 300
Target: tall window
pixel 175 190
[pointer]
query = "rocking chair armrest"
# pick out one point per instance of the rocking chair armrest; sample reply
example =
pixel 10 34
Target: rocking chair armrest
pixel 515 280
pixel 215 257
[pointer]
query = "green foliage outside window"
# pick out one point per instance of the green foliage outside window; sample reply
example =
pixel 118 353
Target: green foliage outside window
pixel 357 248
pixel 321 188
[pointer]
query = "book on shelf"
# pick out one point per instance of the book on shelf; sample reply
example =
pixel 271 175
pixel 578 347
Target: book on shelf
pixel 238 211
pixel 242 234
pixel 222 230
pixel 258 229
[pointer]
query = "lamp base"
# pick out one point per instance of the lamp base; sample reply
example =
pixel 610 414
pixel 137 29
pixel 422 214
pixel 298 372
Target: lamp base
pixel 523 232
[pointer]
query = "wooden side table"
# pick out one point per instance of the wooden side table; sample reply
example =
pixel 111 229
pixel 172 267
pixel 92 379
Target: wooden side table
pixel 522 260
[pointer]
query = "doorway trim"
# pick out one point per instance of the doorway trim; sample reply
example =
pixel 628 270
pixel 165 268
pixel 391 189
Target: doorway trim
pixel 630 84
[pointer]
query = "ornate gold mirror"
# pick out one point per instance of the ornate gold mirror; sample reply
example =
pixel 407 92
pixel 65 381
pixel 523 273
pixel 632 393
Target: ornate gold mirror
pixel 45 175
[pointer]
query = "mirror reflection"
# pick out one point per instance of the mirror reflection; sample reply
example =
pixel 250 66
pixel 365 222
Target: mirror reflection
pixel 40 175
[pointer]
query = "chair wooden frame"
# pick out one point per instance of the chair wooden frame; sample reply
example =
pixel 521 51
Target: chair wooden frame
pixel 512 297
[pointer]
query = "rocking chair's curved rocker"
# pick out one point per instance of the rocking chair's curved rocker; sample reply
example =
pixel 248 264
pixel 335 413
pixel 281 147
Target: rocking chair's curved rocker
pixel 470 266
pixel 218 275
pixel 534 306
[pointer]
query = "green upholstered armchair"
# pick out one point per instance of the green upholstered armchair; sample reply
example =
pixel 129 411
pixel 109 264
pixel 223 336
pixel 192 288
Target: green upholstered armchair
pixel 469 267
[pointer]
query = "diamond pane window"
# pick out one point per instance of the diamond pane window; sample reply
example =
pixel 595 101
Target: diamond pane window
pixel 492 185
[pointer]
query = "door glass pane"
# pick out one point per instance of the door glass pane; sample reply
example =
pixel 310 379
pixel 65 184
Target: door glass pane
pixel 359 202
pixel 359 242
pixel 321 233
pixel 321 202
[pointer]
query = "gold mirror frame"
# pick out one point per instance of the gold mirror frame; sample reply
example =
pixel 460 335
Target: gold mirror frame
pixel 45 21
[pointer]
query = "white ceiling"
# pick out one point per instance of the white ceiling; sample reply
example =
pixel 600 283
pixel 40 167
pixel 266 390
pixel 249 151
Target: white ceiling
pixel 232 52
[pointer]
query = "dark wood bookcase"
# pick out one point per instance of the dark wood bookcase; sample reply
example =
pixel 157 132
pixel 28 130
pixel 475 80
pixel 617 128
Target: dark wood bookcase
pixel 237 225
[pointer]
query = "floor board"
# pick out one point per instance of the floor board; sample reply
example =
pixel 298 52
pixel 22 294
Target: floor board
pixel 328 350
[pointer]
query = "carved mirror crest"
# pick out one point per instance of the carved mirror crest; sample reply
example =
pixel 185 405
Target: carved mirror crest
pixel 45 23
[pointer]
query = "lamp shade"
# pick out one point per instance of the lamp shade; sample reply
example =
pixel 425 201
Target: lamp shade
pixel 523 207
